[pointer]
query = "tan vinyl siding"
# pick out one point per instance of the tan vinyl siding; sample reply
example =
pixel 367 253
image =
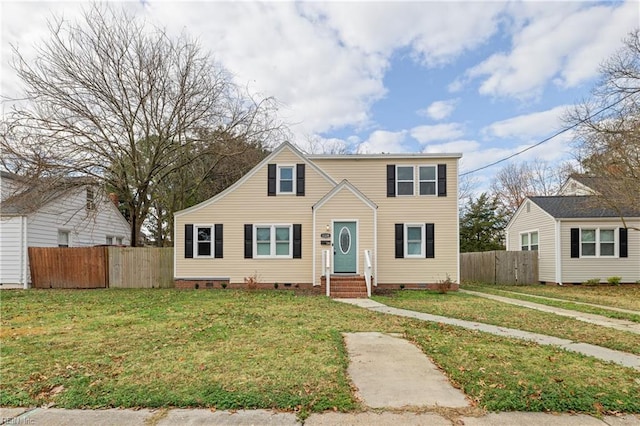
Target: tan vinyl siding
pixel 370 176
pixel 536 219
pixel 578 270
pixel 346 206
pixel 248 203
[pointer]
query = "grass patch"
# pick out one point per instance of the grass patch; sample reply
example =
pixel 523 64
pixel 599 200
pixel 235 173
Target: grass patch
pixel 233 349
pixel 507 291
pixel 624 296
pixel 473 308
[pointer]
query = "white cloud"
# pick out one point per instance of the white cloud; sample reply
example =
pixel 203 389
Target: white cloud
pixel 439 110
pixel 437 132
pixel 383 141
pixel 459 146
pixel 527 126
pixel 551 44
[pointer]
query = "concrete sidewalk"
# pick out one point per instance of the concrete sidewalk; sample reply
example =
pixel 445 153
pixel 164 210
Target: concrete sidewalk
pixel 193 417
pixel 618 324
pixel 605 354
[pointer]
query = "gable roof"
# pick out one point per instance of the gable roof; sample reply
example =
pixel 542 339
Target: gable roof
pixel 347 185
pixel 578 206
pixel 33 195
pixel 253 171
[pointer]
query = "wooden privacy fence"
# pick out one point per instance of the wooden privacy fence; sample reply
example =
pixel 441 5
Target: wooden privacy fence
pixel 500 267
pixel 101 267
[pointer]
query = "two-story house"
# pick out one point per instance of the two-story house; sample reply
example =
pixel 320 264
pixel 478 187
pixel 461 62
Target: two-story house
pixel 340 224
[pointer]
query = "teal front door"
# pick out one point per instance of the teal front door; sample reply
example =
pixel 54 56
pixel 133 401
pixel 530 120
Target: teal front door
pixel 345 248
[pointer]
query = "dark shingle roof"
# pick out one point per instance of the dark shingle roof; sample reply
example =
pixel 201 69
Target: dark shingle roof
pixel 574 206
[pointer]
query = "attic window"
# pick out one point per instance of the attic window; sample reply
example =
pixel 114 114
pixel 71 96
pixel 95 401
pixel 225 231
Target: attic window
pixel 286 179
pixel 91 205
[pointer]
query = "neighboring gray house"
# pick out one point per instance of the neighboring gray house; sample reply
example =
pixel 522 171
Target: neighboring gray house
pixel 67 213
pixel 575 239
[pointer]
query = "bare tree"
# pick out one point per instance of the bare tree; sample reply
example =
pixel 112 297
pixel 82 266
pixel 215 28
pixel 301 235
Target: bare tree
pixel 517 181
pixel 608 130
pixel 115 99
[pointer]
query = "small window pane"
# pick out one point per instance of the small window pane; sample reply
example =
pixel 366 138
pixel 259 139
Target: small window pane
pixel 414 248
pixel 282 234
pixel 534 238
pixel 119 241
pixel 282 249
pixel 405 173
pixel 427 173
pixel 204 234
pixel 427 188
pixel 414 233
pixel 263 249
pixel 525 240
pixel 263 234
pixel 286 173
pixel 109 240
pixel 204 248
pixel 405 188
pixel 286 186
pixel 607 249
pixel 607 235
pixel 588 249
pixel 588 235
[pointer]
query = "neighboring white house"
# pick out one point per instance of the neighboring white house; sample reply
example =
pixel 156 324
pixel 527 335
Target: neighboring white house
pixel 64 214
pixel 576 240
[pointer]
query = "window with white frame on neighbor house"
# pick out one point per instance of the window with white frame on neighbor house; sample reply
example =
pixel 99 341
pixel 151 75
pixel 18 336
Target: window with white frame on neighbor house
pixel 597 242
pixel 529 241
pixel 63 238
pixel 273 240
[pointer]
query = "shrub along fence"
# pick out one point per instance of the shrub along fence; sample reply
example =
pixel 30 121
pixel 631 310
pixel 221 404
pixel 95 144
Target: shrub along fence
pixel 500 267
pixel 101 267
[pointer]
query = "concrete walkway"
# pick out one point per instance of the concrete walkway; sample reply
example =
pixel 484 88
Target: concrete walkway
pixel 605 354
pixel 618 324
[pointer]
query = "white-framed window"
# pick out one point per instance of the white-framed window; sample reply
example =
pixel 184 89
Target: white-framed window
pixel 90 194
pixel 119 241
pixel 273 241
pixel 414 242
pixel 63 238
pixel 427 178
pixel 529 241
pixel 109 240
pixel 404 180
pixel 203 240
pixel 286 179
pixel 597 242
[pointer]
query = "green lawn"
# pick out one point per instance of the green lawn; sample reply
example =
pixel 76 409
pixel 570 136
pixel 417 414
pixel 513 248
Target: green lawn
pixel 234 349
pixel 623 297
pixel 474 308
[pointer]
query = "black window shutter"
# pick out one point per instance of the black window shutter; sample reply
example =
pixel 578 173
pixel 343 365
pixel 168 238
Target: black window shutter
pixel 624 245
pixel 391 180
pixel 575 242
pixel 399 240
pixel 297 241
pixel 217 250
pixel 300 179
pixel 430 240
pixel 248 241
pixel 442 180
pixel 271 179
pixel 188 241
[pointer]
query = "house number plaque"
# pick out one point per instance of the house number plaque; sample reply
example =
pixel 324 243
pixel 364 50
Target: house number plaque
pixel 325 242
pixel 325 235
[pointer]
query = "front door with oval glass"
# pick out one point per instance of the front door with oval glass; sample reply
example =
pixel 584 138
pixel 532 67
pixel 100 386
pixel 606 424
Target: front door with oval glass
pixel 345 248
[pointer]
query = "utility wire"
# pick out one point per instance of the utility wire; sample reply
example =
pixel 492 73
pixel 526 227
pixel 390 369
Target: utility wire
pixel 558 133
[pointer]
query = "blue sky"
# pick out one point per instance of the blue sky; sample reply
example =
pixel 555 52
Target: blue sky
pixel 482 78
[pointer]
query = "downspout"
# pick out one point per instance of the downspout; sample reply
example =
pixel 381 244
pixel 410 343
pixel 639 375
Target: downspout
pixel 558 256
pixel 375 247
pixel 24 257
pixel 313 242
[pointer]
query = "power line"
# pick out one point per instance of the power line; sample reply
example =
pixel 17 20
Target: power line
pixel 558 133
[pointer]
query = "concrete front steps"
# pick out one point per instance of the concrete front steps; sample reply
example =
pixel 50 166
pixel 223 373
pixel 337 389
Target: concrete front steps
pixel 346 287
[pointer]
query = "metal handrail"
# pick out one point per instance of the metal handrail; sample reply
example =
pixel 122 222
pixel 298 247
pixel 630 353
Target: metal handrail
pixel 367 270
